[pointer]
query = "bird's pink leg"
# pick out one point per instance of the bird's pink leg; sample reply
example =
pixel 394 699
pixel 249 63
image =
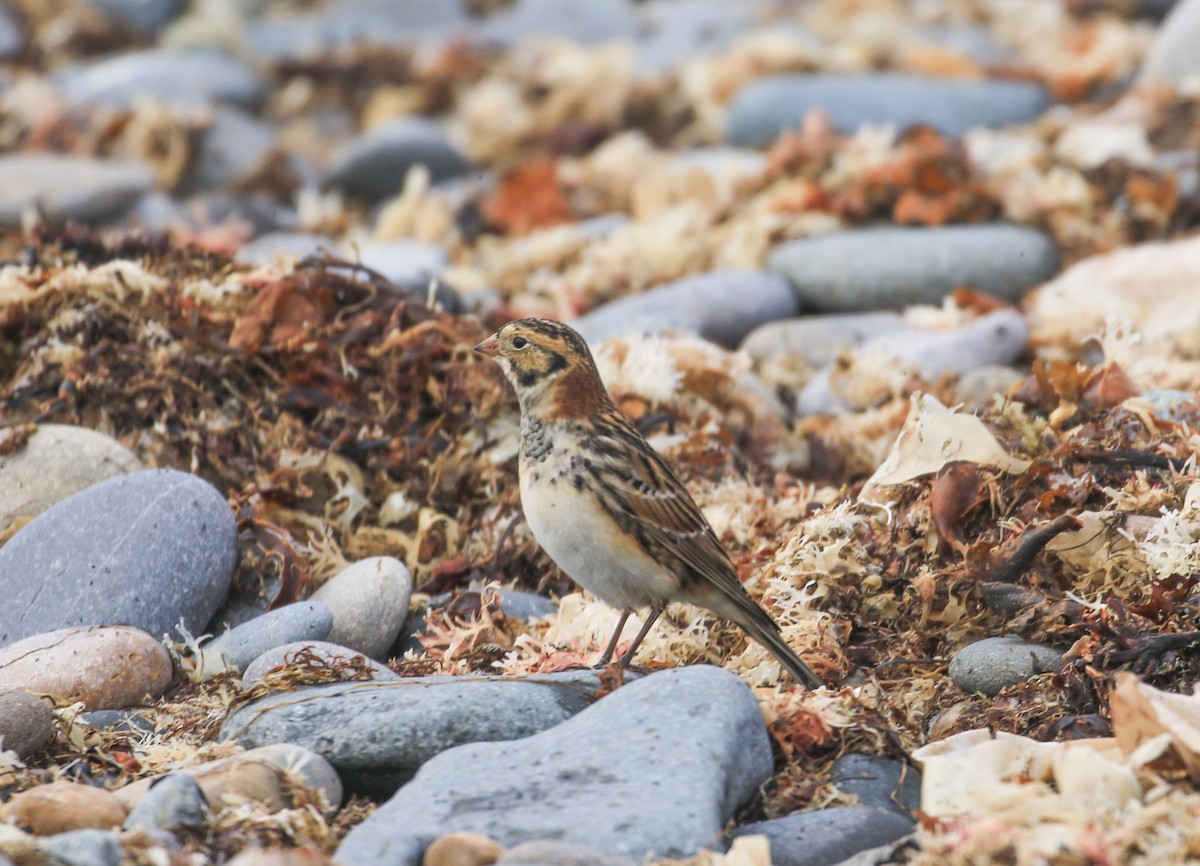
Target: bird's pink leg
pixel 637 641
pixel 612 644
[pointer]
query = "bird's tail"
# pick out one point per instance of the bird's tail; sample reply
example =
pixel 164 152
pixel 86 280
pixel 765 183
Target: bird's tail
pixel 770 638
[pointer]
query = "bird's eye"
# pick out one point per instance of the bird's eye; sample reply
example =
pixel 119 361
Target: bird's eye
pixel 519 342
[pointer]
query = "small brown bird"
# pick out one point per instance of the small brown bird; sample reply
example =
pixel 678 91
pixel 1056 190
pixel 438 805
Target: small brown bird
pixel 604 505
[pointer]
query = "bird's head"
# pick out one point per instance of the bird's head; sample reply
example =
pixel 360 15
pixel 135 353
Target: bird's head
pixel 549 365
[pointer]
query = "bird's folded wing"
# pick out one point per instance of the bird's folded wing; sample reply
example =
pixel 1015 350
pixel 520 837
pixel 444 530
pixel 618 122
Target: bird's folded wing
pixel 647 499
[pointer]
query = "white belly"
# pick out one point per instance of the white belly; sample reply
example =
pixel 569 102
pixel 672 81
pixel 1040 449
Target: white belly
pixel 578 535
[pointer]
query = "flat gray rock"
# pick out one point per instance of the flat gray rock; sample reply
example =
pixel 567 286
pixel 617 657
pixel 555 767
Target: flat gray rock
pixel 585 22
pixel 883 783
pixel 26 722
pixel 369 602
pixel 304 620
pixel 345 25
pixel 994 663
pixel 868 269
pixel 767 106
pixel 1172 58
pixel 327 653
pixel 84 848
pixel 173 75
pixel 378 734
pixel 57 461
pixel 676 31
pixel 68 187
pixel 828 836
pixel 373 165
pixel 149 549
pixel 722 306
pixel 610 778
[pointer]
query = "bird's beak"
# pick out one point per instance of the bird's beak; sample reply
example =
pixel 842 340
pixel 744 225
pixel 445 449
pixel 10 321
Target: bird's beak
pixel 489 347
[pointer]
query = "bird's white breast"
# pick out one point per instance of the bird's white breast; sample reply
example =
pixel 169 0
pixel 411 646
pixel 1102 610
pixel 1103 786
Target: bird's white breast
pixel 578 534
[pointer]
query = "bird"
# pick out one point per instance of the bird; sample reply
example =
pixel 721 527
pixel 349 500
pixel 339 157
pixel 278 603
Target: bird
pixel 605 506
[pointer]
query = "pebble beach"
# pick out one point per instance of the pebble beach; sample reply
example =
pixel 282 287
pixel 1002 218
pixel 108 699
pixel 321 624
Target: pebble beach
pixel 907 292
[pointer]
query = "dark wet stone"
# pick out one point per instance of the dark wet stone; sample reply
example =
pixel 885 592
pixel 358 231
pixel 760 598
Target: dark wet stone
pixel 827 836
pixel 373 165
pixel 150 549
pixel 767 106
pixel 883 783
pixel 174 802
pixel 121 721
pixel 12 34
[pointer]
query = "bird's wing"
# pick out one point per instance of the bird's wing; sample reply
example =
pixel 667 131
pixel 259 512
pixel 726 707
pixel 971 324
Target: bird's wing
pixel 647 499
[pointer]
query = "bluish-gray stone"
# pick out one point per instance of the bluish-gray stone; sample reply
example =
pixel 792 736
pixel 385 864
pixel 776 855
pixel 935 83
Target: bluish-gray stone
pixel 276 247
pixel 173 75
pixel 68 187
pixel 403 261
pixel 682 30
pixel 144 17
pixel 348 24
pixel 378 734
pixel 883 783
pixel 121 721
pixel 369 601
pixel 149 549
pixel 767 106
pixel 585 22
pixel 304 620
pixel 12 37
pixel 234 145
pixel 26 722
pixel 722 306
pixel 827 836
pixel 373 165
pixel 994 663
pixel 84 848
pixel 610 778
pixel 174 802
pixel 890 268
